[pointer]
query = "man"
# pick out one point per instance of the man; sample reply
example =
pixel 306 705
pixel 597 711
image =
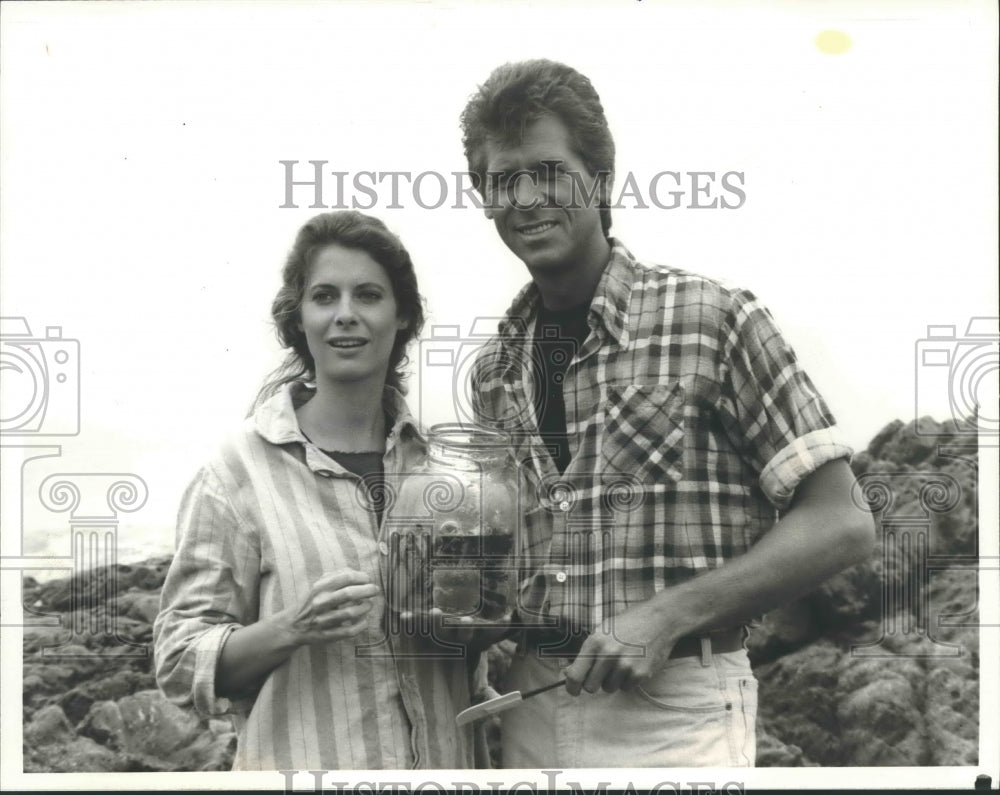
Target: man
pixel 664 423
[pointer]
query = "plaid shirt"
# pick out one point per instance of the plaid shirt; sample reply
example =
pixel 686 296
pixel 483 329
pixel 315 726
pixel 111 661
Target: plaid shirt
pixel 689 423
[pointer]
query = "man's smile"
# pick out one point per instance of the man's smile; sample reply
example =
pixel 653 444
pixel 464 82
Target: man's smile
pixel 534 228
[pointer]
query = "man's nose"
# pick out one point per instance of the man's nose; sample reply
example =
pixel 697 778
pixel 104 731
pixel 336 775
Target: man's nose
pixel 525 192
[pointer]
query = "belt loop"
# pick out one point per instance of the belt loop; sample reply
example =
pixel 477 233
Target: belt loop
pixel 706 651
pixel 522 643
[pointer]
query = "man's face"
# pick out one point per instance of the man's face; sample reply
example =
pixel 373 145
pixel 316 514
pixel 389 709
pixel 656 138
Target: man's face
pixel 542 198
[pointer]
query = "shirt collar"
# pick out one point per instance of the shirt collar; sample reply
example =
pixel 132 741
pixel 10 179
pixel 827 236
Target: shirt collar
pixel 609 305
pixel 276 422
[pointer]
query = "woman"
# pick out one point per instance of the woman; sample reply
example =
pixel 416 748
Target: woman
pixel 274 607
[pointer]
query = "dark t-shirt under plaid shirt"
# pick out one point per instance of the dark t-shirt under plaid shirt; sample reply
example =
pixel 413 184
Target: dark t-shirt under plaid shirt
pixel 689 424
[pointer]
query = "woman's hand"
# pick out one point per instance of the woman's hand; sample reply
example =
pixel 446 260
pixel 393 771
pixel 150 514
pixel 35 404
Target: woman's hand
pixel 335 609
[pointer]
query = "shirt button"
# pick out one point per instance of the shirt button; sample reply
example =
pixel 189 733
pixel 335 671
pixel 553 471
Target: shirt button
pixel 560 576
pixel 564 505
pixel 383 547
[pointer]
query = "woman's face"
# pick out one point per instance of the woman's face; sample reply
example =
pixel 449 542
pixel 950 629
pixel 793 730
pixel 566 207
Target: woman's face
pixel 349 316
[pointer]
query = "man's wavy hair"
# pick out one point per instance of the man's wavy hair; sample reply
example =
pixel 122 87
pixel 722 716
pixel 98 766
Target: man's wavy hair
pixel 349 229
pixel 517 94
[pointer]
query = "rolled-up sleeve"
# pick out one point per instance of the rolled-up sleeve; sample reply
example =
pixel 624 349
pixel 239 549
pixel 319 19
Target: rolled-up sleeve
pixel 211 589
pixel 781 423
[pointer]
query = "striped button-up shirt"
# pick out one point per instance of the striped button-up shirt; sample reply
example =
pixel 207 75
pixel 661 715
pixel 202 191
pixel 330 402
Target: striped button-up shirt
pixel 689 423
pixel 267 517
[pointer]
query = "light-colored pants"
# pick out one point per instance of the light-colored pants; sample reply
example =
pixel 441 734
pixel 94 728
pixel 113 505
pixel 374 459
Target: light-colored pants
pixel 687 715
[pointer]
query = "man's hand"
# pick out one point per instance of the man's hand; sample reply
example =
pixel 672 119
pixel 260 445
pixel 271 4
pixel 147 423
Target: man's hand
pixel 822 533
pixel 629 648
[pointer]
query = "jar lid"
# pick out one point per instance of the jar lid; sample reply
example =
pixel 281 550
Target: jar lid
pixel 451 440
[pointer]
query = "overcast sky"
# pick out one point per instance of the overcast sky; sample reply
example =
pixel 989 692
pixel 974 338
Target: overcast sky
pixel 142 186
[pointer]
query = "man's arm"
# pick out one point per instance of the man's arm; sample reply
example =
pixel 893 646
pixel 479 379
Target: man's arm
pixel 822 533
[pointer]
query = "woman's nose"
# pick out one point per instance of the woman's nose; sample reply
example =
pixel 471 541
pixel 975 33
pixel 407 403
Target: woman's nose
pixel 345 314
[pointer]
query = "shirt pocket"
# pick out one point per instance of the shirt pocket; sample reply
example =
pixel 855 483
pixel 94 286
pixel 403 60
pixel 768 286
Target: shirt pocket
pixel 644 431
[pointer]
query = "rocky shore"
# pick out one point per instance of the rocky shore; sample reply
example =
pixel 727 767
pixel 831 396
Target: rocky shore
pixel 90 699
pixel 879 666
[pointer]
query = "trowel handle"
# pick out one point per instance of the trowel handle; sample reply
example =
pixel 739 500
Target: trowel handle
pixel 538 690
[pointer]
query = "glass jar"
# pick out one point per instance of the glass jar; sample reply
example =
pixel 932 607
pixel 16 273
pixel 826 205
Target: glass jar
pixel 452 527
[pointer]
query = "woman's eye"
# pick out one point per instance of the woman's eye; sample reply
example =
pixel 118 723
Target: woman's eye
pixel 369 296
pixel 322 297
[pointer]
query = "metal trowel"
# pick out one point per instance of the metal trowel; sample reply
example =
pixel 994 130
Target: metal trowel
pixel 500 704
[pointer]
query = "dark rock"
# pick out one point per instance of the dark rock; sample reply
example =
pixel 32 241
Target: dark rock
pixel 118 685
pixel 32 683
pixel 798 697
pixel 126 633
pixel 771 752
pixel 880 712
pixel 954 533
pixel 54 676
pixel 150 576
pixel 104 724
pixel 860 463
pixel 853 595
pixel 905 446
pixel 166 737
pixel 75 704
pixel 144 607
pixel 951 706
pixel 155 726
pixel 782 630
pixel 877 445
pixel 79 755
pixel 96 586
pixel 49 725
pixel 54 594
pixel 37 637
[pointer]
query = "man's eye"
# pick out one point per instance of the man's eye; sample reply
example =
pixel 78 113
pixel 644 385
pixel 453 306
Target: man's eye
pixel 556 172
